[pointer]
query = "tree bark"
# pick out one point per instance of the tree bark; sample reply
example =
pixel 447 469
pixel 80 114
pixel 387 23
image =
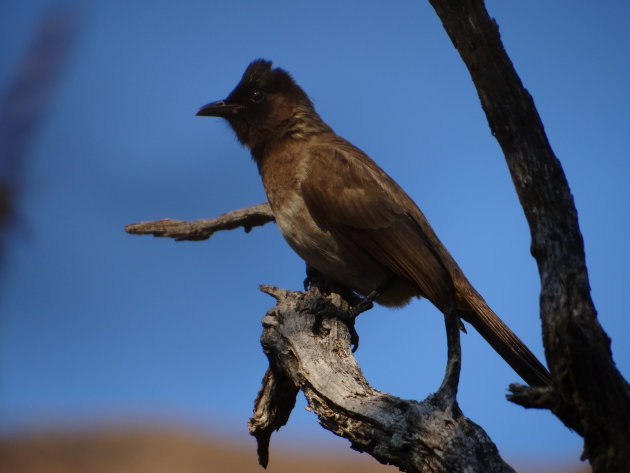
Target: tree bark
pixel 589 394
pixel 431 436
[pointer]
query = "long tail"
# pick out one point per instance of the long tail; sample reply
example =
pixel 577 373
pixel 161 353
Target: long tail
pixel 501 338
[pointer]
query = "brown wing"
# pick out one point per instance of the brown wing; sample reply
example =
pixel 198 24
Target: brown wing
pixel 348 194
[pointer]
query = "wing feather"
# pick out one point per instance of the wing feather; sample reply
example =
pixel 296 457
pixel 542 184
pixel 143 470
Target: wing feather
pixel 359 201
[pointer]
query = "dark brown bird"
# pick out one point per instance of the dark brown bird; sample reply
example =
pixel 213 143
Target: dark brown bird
pixel 346 217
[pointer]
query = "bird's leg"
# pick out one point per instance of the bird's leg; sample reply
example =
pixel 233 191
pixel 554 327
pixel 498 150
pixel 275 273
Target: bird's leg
pixel 357 305
pixel 327 286
pixel 326 309
pixel 368 301
pixel 448 389
pixel 313 278
pixel 364 305
pixel 349 316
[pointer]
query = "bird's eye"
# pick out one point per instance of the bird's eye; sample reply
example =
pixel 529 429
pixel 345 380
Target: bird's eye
pixel 256 96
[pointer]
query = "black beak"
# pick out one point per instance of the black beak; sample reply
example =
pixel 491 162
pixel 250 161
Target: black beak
pixel 218 109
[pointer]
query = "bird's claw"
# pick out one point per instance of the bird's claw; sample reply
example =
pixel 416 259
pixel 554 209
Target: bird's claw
pixel 348 317
pixel 325 309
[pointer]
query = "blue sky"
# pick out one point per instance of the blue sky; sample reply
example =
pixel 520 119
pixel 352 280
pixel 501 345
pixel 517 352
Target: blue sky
pixel 96 324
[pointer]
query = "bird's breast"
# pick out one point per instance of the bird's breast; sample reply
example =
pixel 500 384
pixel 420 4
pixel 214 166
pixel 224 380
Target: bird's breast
pixel 328 252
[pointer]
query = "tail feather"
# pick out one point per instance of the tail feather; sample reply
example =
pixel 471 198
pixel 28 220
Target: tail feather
pixel 503 340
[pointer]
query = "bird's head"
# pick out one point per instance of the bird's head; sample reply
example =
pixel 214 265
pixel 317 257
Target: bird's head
pixel 263 102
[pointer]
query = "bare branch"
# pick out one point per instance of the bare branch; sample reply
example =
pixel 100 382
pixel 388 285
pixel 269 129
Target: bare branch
pixel 532 397
pixel 589 394
pixel 450 383
pixel 429 436
pixel 203 229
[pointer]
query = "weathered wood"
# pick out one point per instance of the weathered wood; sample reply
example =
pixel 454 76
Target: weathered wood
pixel 203 229
pixel 272 409
pixel 429 436
pixel 589 394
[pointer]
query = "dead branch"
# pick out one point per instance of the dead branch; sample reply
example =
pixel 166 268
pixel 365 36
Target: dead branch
pixel 429 436
pixel 589 394
pixel 249 217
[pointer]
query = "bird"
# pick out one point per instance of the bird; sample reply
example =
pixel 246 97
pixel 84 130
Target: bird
pixel 346 217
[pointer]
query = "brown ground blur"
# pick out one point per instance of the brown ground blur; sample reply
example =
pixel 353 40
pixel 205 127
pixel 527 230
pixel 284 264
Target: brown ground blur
pixel 168 450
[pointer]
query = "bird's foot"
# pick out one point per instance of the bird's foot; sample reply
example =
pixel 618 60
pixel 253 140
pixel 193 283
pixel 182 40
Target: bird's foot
pixel 325 309
pixel 364 304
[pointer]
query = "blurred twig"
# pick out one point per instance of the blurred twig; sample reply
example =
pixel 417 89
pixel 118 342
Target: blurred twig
pixel 26 101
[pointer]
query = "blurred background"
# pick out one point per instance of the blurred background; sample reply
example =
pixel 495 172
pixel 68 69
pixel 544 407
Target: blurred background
pixel 114 343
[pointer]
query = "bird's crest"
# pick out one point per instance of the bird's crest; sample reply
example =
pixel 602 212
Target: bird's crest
pixel 257 71
pixel 261 74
